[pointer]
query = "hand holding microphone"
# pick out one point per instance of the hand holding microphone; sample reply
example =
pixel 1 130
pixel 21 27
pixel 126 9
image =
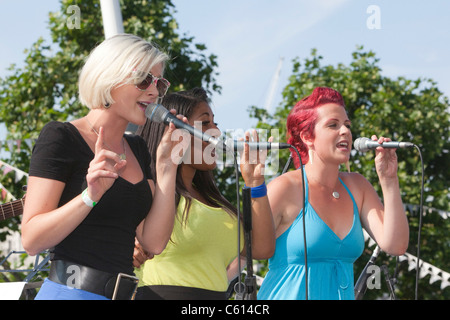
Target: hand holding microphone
pixel 365 144
pixel 386 158
pixel 253 163
pixel 167 157
pixel 158 113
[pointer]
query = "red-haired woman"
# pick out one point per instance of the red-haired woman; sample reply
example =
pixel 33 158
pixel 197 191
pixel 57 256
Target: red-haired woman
pixel 338 205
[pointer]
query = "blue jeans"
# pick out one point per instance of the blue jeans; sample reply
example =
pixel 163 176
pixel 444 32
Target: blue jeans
pixel 54 291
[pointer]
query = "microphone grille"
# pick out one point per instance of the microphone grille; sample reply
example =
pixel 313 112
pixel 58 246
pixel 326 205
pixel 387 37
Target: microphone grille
pixel 155 112
pixel 360 144
pixel 356 144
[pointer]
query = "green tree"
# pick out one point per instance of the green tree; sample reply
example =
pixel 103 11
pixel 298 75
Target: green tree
pixel 406 110
pixel 45 88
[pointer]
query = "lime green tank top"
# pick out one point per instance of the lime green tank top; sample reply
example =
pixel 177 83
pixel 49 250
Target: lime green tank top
pixel 199 250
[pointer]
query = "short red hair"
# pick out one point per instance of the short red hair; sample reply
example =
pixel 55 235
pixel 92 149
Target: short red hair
pixel 302 119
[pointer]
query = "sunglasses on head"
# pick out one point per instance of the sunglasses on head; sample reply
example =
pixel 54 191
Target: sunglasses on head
pixel 162 85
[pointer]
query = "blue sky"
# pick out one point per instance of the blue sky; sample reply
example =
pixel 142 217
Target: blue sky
pixel 411 39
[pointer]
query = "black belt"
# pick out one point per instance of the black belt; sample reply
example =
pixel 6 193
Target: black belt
pixel 113 286
pixel 167 292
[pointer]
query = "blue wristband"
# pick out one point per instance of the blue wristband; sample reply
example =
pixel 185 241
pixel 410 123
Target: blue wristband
pixel 259 191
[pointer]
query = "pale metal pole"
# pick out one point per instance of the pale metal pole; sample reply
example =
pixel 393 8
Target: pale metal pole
pixel 112 17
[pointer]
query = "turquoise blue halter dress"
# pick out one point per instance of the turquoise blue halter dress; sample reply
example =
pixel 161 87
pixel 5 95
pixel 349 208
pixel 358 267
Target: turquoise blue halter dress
pixel 330 259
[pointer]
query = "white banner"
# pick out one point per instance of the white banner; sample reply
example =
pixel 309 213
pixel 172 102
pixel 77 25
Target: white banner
pixel 425 268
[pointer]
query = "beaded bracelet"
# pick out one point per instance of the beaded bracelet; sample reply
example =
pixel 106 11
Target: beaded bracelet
pixel 259 191
pixel 87 200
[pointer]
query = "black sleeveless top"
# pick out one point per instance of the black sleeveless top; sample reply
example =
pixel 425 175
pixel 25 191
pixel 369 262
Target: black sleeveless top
pixel 105 238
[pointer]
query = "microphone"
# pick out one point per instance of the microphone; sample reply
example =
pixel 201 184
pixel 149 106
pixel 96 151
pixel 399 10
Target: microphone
pixel 157 113
pixel 365 144
pixel 361 284
pixel 239 145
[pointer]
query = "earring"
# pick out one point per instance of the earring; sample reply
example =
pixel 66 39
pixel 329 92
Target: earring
pixel 107 105
pixel 310 156
pixel 347 165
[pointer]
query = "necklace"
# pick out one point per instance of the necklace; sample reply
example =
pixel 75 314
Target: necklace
pixel 122 156
pixel 335 194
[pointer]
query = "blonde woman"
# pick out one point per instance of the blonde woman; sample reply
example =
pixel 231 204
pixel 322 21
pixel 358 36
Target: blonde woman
pixel 90 192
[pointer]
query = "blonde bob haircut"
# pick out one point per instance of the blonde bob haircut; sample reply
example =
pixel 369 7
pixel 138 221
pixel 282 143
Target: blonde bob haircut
pixel 112 64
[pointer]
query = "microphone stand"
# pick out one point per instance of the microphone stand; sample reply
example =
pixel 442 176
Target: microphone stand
pixel 361 283
pixel 390 282
pixel 249 292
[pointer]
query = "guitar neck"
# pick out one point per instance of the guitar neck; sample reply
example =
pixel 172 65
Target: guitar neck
pixel 11 209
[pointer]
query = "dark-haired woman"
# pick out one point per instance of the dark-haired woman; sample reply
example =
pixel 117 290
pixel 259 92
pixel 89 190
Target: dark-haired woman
pixel 200 258
pixel 338 204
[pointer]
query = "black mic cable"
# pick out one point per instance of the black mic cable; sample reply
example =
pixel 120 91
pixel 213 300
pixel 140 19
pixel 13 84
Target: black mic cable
pixel 239 288
pixel 304 214
pixel 365 144
pixel 420 225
